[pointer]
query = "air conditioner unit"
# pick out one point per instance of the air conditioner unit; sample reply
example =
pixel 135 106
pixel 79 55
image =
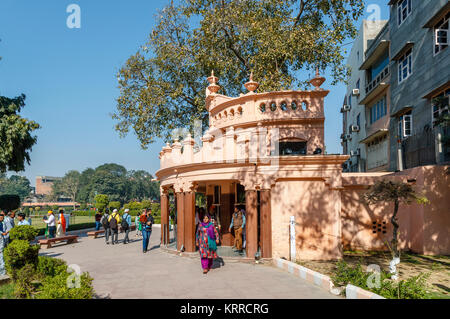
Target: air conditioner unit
pixel 346 108
pixel 354 153
pixel 355 92
pixel 355 128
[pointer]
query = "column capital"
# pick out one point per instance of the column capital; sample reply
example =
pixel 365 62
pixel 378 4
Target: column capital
pixel 164 190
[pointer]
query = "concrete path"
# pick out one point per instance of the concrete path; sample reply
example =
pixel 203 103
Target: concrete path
pixel 123 271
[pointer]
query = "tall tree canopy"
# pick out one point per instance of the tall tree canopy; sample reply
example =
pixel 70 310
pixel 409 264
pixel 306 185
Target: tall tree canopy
pixel 15 185
pixel 16 140
pixel 162 86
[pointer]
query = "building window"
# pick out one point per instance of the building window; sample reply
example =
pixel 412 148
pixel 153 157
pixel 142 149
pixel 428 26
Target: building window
pixel 357 84
pixel 216 199
pixel 440 34
pixel 440 105
pixel 405 66
pixel 404 10
pixel 358 120
pixel 262 108
pixel 378 110
pixel 294 105
pixel 350 100
pixel 405 125
pixel 292 148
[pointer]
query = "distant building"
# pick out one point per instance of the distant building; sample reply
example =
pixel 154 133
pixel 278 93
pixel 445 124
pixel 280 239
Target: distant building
pixel 398 69
pixel 354 115
pixel 44 184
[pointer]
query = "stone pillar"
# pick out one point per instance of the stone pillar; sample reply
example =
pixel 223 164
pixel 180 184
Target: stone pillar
pixel 180 219
pixel 189 221
pixel 265 223
pixel 165 218
pixel 251 222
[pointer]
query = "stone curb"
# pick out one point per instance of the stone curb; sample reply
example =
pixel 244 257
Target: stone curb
pixel 318 279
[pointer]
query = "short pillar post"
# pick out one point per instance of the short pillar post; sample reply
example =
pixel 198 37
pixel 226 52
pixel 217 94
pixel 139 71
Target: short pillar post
pixel 180 220
pixel 265 223
pixel 165 228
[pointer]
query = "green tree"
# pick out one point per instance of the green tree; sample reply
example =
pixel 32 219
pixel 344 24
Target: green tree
pixel 9 202
pixel 162 86
pixel 17 185
pixel 71 185
pixel 393 192
pixel 16 140
pixel 101 202
pixel 85 193
pixel 112 180
pixel 142 186
pixel 114 205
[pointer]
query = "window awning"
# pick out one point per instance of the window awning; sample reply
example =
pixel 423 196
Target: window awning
pixel 437 90
pixel 373 136
pixel 436 17
pixel 402 111
pixel 376 54
pixel 408 45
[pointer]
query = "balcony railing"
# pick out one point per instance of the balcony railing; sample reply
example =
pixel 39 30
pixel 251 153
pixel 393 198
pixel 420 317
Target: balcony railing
pixel 380 77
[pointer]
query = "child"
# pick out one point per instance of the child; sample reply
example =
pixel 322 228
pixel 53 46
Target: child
pixel 138 226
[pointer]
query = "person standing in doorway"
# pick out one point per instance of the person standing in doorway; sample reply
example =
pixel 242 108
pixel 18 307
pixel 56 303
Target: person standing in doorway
pixel 206 240
pixel 146 223
pixel 126 225
pixel 50 221
pixel 98 217
pixel 105 224
pixel 238 223
pixel 244 230
pixel 114 220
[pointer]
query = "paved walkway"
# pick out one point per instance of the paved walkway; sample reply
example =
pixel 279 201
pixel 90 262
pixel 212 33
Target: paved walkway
pixel 123 271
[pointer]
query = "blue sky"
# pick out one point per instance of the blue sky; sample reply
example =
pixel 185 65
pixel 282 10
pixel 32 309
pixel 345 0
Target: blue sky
pixel 69 78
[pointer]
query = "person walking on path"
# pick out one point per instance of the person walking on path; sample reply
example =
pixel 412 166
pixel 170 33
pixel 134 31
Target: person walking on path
pixel 2 245
pixel 138 226
pixel 206 240
pixel 105 223
pixel 22 221
pixel 50 221
pixel 8 223
pixel 114 220
pixel 238 223
pixel 98 218
pixel 126 225
pixel 146 221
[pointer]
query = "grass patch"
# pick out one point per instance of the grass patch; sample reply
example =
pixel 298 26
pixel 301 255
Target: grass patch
pixel 7 291
pixel 411 265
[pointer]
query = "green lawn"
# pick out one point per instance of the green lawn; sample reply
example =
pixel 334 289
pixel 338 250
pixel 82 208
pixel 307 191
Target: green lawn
pixel 6 291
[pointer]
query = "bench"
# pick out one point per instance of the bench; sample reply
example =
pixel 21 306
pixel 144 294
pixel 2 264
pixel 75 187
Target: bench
pixel 94 234
pixel 47 243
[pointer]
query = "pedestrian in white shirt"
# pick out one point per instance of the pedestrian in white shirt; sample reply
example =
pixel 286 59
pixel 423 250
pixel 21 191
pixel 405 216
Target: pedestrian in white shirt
pixel 50 221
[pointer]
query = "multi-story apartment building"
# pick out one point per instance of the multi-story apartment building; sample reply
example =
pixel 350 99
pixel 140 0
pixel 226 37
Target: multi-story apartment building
pixel 44 184
pixel 354 116
pixel 421 72
pixel 405 67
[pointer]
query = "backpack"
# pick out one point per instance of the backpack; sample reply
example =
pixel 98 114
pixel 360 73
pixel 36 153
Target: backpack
pixel 124 223
pixel 104 221
pixel 113 221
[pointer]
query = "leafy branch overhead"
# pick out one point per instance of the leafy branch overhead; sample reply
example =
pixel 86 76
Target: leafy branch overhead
pixel 16 140
pixel 162 86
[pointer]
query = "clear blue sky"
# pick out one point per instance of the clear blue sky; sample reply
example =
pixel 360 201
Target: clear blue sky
pixel 69 78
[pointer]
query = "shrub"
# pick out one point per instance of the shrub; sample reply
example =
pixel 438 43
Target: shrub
pixel 9 202
pixel 56 287
pixel 48 266
pixel 55 208
pixel 101 202
pixel 146 204
pixel 114 205
pixel 156 209
pixel 26 211
pixel 23 283
pixel 412 288
pixel 18 254
pixel 24 232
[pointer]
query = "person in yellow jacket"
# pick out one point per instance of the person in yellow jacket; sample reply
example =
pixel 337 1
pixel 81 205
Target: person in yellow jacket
pixel 114 220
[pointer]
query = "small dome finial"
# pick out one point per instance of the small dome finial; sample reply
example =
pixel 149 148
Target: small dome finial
pixel 251 85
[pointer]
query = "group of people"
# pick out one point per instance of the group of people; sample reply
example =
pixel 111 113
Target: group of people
pixel 110 222
pixel 55 226
pixel 6 224
pixel 207 233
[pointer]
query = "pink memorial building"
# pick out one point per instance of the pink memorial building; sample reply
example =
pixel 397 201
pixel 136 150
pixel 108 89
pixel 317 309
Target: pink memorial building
pixel 265 151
